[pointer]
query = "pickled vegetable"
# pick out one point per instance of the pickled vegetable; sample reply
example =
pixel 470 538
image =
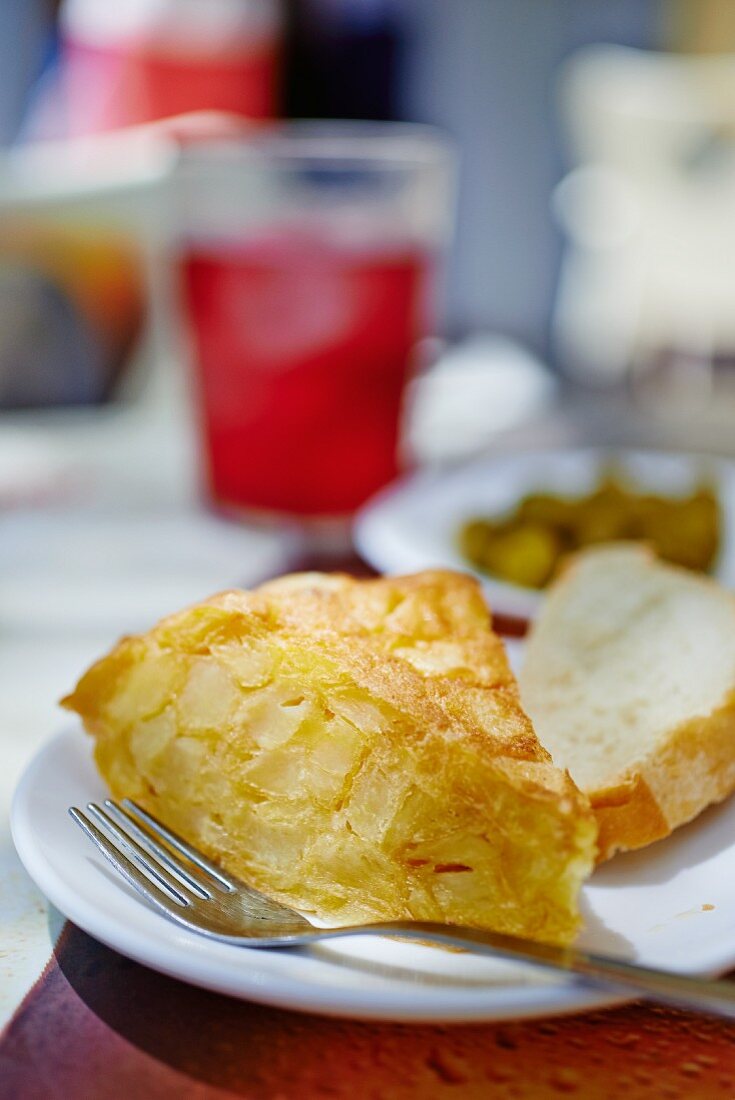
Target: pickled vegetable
pixel 527 546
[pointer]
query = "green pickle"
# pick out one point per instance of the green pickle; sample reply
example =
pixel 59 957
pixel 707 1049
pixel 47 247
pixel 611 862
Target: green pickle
pixel 526 547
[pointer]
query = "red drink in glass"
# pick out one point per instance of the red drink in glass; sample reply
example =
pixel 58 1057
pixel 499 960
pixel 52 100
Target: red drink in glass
pixel 126 62
pixel 308 262
pixel 303 349
pixel 109 87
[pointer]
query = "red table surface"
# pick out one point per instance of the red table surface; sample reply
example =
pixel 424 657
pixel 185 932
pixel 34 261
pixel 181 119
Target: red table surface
pixel 97 1026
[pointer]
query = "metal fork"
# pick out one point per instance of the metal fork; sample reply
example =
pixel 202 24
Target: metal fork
pixel 186 887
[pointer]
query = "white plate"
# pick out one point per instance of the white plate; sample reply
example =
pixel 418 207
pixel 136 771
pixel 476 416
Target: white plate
pixel 646 906
pixel 413 525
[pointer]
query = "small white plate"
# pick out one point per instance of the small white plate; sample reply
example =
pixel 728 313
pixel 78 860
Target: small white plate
pixel 413 525
pixel 672 905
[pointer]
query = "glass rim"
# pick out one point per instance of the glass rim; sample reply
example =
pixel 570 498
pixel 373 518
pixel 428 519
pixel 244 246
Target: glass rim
pixel 337 142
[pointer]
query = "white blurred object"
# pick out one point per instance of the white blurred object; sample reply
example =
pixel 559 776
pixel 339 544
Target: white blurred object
pixel 649 211
pixel 115 180
pixel 181 26
pixel 87 570
pixel 481 387
pixel 31 469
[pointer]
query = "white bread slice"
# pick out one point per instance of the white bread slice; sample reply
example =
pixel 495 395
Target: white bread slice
pixel 629 680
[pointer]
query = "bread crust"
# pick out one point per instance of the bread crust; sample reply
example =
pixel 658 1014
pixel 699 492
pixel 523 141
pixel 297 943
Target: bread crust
pixel 628 816
pixel 693 768
pixel 690 767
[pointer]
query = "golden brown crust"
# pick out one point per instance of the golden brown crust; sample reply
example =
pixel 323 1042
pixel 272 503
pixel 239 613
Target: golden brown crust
pixel 628 816
pixel 387 629
pixel 692 768
pixel 408 733
pixel 695 766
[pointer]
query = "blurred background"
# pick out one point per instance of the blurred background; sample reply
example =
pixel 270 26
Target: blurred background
pixel 595 141
pixel 572 203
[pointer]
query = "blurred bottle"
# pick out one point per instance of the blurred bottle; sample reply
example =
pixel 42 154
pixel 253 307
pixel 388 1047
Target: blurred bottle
pixel 343 59
pixel 133 61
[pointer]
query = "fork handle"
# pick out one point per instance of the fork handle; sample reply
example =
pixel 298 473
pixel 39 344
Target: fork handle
pixel 707 995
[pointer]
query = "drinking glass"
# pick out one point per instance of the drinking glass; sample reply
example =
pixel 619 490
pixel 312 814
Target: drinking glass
pixel 309 256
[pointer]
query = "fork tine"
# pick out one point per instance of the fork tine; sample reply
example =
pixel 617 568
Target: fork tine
pixel 162 854
pixel 140 882
pixel 146 859
pixel 180 845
